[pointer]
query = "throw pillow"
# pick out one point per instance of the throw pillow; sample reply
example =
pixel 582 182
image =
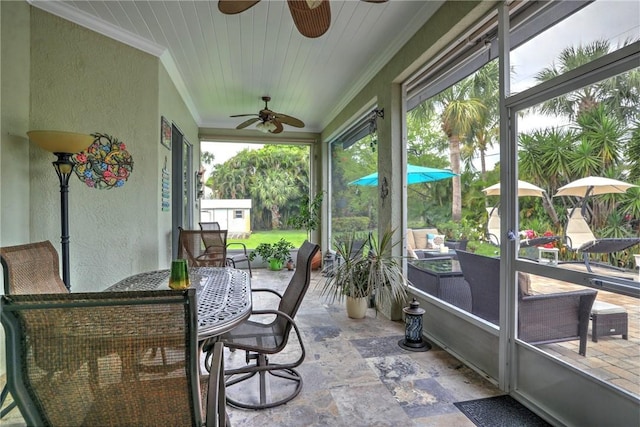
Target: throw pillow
pixel 430 242
pixel 420 240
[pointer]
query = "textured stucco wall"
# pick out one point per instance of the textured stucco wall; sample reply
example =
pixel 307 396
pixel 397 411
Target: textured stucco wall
pixel 84 82
pixel 14 123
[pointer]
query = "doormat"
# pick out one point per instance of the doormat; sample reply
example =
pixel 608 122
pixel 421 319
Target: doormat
pixel 499 411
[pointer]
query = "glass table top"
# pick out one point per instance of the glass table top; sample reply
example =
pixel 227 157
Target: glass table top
pixel 448 265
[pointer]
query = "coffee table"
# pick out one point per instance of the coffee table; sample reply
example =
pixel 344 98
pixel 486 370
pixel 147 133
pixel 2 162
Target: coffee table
pixel 442 278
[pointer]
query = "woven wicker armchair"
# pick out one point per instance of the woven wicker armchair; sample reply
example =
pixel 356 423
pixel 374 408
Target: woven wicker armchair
pixel 266 333
pixel 542 319
pixel 203 248
pixel 31 269
pixel 102 371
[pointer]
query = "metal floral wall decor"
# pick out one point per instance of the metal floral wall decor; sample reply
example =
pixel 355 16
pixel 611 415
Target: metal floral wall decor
pixel 105 164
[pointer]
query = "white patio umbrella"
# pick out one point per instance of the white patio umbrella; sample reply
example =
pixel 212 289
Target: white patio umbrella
pixel 593 185
pixel 524 189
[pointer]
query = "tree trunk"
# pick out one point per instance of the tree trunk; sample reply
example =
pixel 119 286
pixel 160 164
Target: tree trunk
pixel 454 154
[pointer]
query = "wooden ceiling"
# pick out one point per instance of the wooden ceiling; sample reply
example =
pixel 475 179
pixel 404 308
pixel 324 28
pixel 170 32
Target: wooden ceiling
pixel 223 64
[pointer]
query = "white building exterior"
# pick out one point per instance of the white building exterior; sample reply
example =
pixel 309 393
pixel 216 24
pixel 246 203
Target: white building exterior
pixel 233 215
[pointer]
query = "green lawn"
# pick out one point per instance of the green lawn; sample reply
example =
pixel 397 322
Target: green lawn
pixel 298 236
pixel 294 236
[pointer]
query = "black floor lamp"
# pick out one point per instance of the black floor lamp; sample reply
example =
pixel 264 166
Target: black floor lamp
pixel 63 145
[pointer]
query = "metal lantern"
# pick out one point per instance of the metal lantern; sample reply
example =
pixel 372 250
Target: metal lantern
pixel 328 264
pixel 413 328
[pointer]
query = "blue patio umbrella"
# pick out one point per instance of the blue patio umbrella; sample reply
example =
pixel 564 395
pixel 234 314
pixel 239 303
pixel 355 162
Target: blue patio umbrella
pixel 415 175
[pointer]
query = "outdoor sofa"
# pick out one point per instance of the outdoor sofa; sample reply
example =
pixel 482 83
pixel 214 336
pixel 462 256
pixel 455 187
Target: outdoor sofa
pixel 542 318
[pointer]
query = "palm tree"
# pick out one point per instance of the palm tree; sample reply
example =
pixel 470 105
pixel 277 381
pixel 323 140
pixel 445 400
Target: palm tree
pixel 576 103
pixel 602 114
pixel 486 131
pixel 620 95
pixel 458 111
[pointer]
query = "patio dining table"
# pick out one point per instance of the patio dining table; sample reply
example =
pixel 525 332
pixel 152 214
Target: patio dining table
pixel 223 294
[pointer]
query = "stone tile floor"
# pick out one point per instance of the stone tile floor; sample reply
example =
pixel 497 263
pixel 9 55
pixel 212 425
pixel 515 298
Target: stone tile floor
pixel 355 374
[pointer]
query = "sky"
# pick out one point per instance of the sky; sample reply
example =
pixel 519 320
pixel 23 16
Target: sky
pixel 612 20
pixel 223 151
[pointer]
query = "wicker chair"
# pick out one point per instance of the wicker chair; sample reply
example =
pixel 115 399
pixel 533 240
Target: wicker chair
pixel 235 258
pixel 267 333
pixel 203 248
pixel 29 269
pixel 542 319
pixel 103 340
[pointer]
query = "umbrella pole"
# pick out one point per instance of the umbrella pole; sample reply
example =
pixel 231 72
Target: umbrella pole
pixel 583 208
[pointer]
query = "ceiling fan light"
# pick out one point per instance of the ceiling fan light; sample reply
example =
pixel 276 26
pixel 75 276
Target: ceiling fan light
pixel 263 127
pixel 313 3
pixel 270 126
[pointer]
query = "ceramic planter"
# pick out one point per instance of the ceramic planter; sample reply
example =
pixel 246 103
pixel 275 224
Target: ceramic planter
pixel 275 264
pixel 357 307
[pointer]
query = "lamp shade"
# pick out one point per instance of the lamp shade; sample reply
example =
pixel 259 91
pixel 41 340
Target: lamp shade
pixel 60 141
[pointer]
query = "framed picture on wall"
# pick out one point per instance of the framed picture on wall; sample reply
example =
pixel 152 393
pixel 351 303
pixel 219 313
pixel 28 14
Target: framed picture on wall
pixel 165 132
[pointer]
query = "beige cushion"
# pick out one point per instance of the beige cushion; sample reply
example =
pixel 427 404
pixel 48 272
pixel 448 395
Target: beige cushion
pixel 411 243
pixel 524 281
pixel 578 230
pixel 420 237
pixel 411 253
pixel 601 307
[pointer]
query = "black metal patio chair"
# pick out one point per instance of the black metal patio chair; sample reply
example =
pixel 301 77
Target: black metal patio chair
pixel 266 333
pixel 232 258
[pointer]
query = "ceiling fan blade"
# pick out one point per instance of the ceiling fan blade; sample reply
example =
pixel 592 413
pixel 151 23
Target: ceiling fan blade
pixel 247 123
pixel 311 22
pixel 278 128
pixel 243 115
pixel 231 7
pixel 288 120
pixel 375 1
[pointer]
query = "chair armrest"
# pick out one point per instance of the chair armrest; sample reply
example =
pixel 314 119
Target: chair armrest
pixel 244 247
pixel 556 317
pixel 272 291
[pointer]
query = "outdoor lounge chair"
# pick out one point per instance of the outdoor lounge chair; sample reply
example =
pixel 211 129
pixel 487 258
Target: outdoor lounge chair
pixel 580 238
pixel 235 258
pixel 542 319
pixel 265 334
pixel 97 342
pixel 493 232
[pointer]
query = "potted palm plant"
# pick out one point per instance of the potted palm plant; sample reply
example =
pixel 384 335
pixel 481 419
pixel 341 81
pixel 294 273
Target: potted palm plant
pixel 361 276
pixel 276 254
pixel 308 218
